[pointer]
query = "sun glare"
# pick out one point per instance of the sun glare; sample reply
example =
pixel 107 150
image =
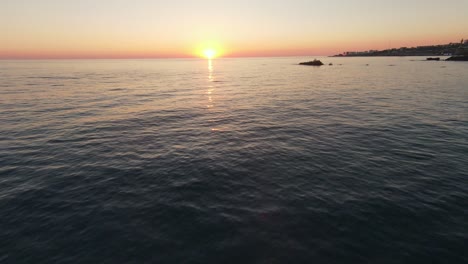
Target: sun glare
pixel 209 53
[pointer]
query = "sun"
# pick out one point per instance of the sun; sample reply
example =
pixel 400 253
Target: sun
pixel 209 53
pixel 208 50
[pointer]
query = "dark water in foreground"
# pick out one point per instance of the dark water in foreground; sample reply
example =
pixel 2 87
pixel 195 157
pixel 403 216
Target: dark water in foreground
pixel 240 161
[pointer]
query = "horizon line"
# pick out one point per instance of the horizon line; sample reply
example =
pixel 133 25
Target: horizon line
pixel 85 57
pixel 161 58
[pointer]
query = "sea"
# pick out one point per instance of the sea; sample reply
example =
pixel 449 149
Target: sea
pixel 234 160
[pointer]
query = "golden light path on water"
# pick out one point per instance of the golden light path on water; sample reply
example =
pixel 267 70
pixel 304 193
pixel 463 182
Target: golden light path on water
pixel 210 89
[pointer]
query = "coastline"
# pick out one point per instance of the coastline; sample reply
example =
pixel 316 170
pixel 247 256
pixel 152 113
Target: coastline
pixel 451 49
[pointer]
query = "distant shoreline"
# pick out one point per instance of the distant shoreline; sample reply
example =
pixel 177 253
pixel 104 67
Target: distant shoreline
pixel 384 56
pixel 432 50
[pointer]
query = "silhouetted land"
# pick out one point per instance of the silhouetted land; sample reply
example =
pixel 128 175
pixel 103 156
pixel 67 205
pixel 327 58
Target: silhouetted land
pixel 458 58
pixel 435 50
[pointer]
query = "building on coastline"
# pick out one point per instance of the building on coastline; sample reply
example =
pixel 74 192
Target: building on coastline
pixel 463 49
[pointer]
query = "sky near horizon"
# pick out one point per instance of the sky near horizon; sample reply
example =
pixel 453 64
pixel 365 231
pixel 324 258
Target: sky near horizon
pixel 183 28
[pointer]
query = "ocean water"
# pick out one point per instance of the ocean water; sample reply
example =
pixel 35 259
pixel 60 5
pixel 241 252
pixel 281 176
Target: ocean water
pixel 234 161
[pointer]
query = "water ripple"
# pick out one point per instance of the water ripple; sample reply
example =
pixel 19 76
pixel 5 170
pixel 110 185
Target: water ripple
pixel 250 160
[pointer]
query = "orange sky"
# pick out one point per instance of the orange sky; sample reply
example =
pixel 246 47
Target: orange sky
pixel 31 29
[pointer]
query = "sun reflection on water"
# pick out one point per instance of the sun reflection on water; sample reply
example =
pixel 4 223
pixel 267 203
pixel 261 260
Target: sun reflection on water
pixel 210 87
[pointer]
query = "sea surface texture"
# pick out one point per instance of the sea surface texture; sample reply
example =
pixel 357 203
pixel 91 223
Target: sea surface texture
pixel 234 161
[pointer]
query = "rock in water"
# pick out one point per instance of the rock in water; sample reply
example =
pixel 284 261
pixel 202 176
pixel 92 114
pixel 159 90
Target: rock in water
pixel 312 63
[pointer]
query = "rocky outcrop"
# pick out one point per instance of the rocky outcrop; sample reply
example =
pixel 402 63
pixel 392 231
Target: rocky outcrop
pixel 312 63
